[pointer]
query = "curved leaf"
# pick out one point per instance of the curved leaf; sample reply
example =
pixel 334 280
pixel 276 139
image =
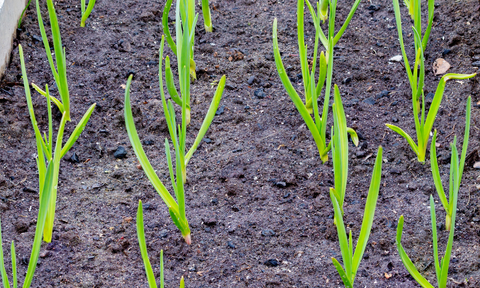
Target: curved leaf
pixel 342 274
pixel 78 130
pixel 208 118
pixel 166 31
pixel 404 135
pixel 406 260
pixel 369 212
pixel 143 247
pixel 295 98
pixel 142 157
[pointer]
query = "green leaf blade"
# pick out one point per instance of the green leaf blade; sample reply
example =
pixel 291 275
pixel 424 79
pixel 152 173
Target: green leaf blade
pixel 342 274
pixel 208 118
pixel 78 130
pixel 406 136
pixel 369 212
pixel 406 260
pixel 140 153
pixel 143 247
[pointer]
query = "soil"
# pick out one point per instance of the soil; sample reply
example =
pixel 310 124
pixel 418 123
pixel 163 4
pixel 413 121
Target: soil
pixel 257 193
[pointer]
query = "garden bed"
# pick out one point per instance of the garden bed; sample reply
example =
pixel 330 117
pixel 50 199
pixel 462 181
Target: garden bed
pixel 257 194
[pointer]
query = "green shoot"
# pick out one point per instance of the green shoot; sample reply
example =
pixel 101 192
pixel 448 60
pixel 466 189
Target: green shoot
pixel 351 258
pixel 318 124
pixel 177 133
pixel 187 10
pixel 416 77
pixel 19 23
pixel 37 241
pixel 86 11
pixel 441 264
pixel 184 36
pixel 455 175
pixel 207 19
pixel 143 250
pixel 456 172
pixel 415 11
pixel 46 149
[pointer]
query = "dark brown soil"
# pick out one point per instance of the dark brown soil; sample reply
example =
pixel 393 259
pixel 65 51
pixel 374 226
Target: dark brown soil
pixel 257 191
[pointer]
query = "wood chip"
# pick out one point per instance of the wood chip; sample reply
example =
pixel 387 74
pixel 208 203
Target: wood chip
pixel 440 66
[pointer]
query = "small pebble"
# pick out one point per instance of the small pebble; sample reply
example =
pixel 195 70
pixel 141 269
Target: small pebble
pixel 382 94
pixel 250 80
pixel 220 110
pixel 120 153
pixel 148 142
pixel 374 7
pixel 230 87
pixel 74 158
pixel 259 93
pixel 396 58
pixel 37 38
pixel 271 263
pixel 395 171
pixel 361 153
pixel 45 254
pixel 370 101
pixel 163 233
pixel 268 232
pixel 281 184
pixel 230 245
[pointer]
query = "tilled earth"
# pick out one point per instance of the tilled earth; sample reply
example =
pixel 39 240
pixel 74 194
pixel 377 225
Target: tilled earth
pixel 257 192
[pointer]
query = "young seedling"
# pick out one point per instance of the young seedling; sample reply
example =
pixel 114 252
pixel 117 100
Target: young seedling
pixel 441 264
pixel 416 77
pixel 86 11
pixel 207 19
pixel 415 11
pixel 455 175
pixel 143 250
pixel 37 241
pixel 19 23
pixel 45 149
pixel 179 50
pixel 178 133
pixel 456 171
pixel 351 259
pixel 186 6
pixel 312 90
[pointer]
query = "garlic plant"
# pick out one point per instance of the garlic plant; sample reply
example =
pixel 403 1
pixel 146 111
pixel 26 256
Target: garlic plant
pixel 86 11
pixel 48 183
pixel 46 151
pixel 186 6
pixel 318 125
pixel 416 76
pixel 143 251
pixel 351 258
pixel 178 133
pixel 456 172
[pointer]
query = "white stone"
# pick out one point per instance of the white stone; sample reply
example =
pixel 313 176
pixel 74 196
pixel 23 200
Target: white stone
pixel 396 58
